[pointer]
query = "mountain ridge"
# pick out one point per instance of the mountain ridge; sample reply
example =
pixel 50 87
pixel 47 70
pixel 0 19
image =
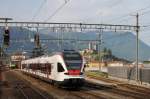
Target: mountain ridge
pixel 123 45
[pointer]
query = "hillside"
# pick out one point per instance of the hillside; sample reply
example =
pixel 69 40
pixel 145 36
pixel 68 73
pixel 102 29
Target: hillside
pixel 123 45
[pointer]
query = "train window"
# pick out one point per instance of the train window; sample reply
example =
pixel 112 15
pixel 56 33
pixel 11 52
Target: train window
pixel 38 66
pixel 29 66
pixel 72 56
pixel 43 68
pixel 60 67
pixel 73 65
pixel 73 60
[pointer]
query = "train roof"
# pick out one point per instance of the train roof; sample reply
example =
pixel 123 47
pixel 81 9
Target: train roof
pixel 44 58
pixel 37 59
pixel 64 51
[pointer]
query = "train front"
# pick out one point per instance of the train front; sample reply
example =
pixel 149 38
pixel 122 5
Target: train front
pixel 74 77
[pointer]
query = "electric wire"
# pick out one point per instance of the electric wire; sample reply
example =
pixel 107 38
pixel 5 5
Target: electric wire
pixel 57 10
pixel 115 3
pixel 146 12
pixel 39 9
pixel 127 16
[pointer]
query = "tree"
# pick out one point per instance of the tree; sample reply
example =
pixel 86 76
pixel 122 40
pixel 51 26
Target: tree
pixel 95 52
pixel 105 50
pixel 109 52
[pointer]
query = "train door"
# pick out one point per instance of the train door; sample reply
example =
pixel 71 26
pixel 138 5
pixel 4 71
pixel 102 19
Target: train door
pixel 53 71
pixel 48 69
pixel 56 69
pixel 60 71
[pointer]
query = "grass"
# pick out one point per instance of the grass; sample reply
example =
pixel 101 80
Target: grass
pixel 96 74
pixel 146 62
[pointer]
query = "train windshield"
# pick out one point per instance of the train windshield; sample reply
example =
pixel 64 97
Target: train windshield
pixel 73 60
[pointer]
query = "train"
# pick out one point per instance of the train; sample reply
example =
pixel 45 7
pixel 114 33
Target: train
pixel 64 68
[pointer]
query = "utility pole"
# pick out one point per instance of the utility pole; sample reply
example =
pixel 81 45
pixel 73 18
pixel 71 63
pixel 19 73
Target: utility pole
pixel 137 46
pixel 99 46
pixel 61 38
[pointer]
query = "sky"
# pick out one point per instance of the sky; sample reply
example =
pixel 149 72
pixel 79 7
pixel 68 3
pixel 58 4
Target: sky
pixel 80 11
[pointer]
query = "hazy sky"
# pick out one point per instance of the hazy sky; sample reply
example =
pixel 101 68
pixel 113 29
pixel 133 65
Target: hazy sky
pixel 85 11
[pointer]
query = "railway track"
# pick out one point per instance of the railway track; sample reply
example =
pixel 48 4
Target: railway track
pixel 28 92
pixel 97 91
pixel 87 95
pixel 137 88
pixel 22 89
pixel 127 90
pixel 101 94
pixel 62 93
pixel 88 91
pixel 106 79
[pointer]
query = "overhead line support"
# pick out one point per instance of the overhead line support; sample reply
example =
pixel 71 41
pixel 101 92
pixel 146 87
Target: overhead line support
pixel 77 26
pixel 137 46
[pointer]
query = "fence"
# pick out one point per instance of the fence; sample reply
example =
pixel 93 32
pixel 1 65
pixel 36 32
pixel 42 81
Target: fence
pixel 130 73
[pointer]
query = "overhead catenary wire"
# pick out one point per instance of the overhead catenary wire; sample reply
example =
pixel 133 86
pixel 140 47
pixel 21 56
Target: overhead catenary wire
pixel 115 3
pixel 146 12
pixel 57 10
pixel 142 14
pixel 38 10
pixel 145 28
pixel 126 16
pixel 112 5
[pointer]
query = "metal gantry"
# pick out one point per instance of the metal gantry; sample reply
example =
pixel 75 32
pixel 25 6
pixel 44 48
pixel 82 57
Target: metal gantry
pixel 67 27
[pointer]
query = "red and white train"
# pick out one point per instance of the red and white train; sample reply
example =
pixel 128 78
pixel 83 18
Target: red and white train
pixel 64 68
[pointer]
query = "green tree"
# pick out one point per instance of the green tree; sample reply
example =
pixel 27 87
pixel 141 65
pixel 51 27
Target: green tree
pixel 109 52
pixel 105 50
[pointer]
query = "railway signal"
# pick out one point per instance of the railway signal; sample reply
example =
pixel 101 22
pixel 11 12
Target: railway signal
pixel 6 37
